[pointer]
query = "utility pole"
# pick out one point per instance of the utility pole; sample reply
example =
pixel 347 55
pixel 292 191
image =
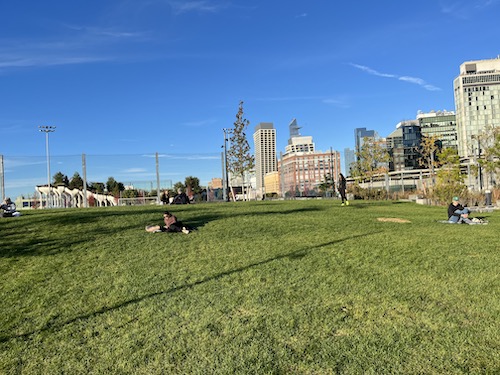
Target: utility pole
pixel 226 174
pixel 47 130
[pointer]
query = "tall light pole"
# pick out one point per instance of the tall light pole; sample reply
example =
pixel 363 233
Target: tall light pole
pixel 226 176
pixel 47 130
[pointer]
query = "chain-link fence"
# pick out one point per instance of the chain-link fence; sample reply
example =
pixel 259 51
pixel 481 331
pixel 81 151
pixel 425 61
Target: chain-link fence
pixel 19 175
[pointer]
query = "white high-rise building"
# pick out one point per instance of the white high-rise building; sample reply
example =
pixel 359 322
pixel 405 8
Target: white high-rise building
pixel 297 142
pixel 265 153
pixel 477 102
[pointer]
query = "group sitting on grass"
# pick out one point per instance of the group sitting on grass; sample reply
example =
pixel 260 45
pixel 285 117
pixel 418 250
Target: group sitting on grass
pixel 171 225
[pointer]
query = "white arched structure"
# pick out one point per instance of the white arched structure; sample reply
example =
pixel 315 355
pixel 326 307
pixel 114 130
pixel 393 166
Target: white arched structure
pixel 62 197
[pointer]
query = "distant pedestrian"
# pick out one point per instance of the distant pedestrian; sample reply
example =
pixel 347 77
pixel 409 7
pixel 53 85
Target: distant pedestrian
pixel 342 185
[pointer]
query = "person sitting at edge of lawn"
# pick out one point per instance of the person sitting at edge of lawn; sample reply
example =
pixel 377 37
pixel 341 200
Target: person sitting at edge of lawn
pixel 9 209
pixel 171 225
pixel 457 213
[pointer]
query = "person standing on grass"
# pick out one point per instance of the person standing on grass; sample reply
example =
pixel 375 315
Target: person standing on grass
pixel 171 225
pixel 457 213
pixel 342 184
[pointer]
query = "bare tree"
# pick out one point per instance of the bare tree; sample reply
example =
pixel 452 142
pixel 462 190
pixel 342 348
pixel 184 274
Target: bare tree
pixel 429 147
pixel 240 160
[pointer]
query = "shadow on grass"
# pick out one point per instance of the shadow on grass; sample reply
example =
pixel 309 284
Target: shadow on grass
pixel 373 203
pixel 20 235
pixel 294 255
pixel 29 241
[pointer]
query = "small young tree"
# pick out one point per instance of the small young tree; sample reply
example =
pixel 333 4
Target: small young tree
pixel 328 184
pixel 240 161
pixel 449 178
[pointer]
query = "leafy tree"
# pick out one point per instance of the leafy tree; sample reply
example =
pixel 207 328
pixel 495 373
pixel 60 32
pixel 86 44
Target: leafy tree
pixel 130 193
pixel 239 158
pixel 114 187
pixel 429 148
pixel 60 179
pixel 373 158
pixel 192 185
pixel 327 184
pixel 449 178
pixel 76 182
pixel 96 187
pixel 489 158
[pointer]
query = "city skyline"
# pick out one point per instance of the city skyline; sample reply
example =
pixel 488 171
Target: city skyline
pixel 166 76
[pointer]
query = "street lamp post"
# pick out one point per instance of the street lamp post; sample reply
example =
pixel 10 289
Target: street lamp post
pixel 47 130
pixel 477 158
pixel 479 162
pixel 226 176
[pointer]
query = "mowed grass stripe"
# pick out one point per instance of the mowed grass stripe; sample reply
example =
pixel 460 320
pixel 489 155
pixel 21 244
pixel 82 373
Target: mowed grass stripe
pixel 260 287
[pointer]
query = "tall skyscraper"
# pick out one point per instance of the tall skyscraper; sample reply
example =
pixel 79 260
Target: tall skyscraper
pixel 265 153
pixel 477 102
pixel 349 159
pixel 359 135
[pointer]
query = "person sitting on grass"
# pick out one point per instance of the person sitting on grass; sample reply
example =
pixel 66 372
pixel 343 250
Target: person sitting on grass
pixel 457 213
pixel 9 209
pixel 171 225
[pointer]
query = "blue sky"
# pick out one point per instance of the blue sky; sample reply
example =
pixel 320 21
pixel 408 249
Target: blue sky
pixel 145 76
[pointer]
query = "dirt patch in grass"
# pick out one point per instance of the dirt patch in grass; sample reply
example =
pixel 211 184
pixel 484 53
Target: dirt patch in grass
pixel 393 220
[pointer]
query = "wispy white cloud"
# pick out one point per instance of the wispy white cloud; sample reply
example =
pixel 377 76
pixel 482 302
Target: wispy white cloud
pixel 27 185
pixel 134 170
pixel 82 45
pixel 301 15
pixel 336 102
pixel 200 6
pixel 372 71
pixel 420 82
pixel 21 162
pixel 414 80
pixel 106 32
pixel 465 9
pixel 41 61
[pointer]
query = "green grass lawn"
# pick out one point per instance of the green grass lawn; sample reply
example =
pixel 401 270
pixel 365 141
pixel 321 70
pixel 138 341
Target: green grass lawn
pixel 285 287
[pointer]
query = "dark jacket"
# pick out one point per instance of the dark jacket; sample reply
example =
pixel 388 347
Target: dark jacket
pixel 452 208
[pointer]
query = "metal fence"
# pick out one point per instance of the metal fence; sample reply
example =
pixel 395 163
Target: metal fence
pixel 19 175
